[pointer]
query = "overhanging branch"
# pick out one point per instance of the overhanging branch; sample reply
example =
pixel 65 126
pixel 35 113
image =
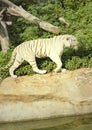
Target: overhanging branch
pixel 19 11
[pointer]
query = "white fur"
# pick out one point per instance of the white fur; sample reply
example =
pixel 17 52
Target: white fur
pixel 50 47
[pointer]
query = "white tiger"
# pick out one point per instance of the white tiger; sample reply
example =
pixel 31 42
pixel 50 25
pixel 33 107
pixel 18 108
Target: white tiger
pixel 50 47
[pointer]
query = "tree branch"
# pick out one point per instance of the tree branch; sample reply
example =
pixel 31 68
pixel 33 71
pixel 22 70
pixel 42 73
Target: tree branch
pixel 62 20
pixel 19 11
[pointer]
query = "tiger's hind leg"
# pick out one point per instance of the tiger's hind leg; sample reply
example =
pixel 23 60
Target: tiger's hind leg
pixel 15 65
pixel 32 62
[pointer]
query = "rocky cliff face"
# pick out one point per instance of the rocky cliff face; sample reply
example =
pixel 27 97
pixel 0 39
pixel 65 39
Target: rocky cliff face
pixel 45 96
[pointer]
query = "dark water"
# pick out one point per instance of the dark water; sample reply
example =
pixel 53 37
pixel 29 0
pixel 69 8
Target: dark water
pixel 65 123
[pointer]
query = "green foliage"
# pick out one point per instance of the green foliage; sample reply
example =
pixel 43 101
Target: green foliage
pixel 77 13
pixel 30 31
pixel 4 59
pixel 5 56
pixel 46 64
pixel 24 69
pixel 74 63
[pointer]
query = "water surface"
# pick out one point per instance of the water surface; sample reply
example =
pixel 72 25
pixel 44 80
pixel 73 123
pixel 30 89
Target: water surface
pixel 83 122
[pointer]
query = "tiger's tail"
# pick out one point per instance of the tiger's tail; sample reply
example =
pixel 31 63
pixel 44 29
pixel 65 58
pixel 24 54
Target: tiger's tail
pixel 11 60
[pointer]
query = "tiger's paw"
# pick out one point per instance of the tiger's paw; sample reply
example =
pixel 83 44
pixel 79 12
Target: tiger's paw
pixel 43 71
pixel 57 70
pixel 63 70
pixel 14 76
pixel 40 71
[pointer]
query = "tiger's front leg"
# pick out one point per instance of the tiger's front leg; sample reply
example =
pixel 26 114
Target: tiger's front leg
pixel 58 62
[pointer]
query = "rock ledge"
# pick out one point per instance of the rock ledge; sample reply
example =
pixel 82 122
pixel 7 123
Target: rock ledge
pixel 45 96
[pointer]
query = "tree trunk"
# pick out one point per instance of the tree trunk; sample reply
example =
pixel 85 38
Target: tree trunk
pixel 4 38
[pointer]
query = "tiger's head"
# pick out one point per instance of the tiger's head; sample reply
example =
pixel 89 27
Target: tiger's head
pixel 70 41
